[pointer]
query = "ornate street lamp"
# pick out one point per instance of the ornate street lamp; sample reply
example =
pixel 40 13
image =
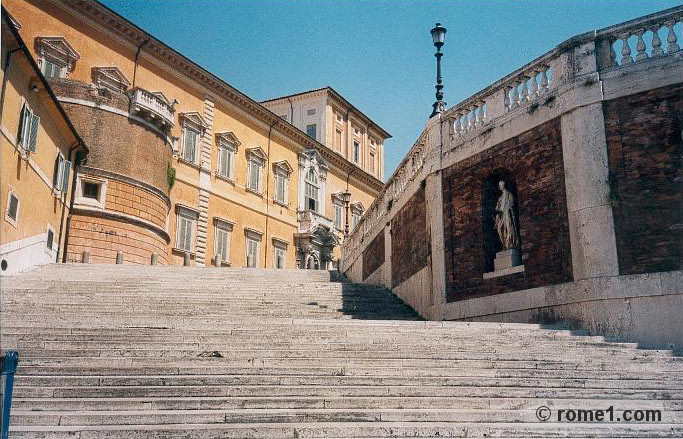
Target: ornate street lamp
pixel 346 198
pixel 438 36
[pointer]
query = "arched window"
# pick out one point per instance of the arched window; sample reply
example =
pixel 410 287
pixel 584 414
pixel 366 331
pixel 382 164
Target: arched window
pixel 312 190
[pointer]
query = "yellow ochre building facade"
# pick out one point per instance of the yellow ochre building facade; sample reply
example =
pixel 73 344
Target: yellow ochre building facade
pixel 183 168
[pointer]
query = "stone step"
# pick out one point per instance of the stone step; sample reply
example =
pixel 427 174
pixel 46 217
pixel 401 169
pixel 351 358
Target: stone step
pixel 289 415
pixel 190 352
pixel 400 378
pixel 225 403
pixel 342 390
pixel 339 430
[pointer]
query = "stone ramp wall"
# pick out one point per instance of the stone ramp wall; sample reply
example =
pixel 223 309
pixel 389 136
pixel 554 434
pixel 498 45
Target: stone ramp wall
pixel 602 202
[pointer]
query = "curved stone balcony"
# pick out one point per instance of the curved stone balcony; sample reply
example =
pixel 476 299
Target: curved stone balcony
pixel 153 107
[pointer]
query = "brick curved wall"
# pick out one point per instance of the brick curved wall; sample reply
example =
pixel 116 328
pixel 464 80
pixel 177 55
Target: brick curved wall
pixel 104 237
pixel 117 143
pixel 104 233
pixel 131 200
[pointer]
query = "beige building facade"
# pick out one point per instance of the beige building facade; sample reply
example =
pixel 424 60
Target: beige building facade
pixel 182 164
pixel 38 149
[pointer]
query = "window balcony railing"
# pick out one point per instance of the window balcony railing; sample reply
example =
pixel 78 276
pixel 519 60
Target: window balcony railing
pixel 309 219
pixel 153 107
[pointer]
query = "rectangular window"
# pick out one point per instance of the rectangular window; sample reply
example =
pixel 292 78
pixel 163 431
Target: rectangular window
pixel 356 220
pixel 280 187
pixel 225 161
pixel 279 258
pixel 187 221
pixel 311 193
pixel 252 252
pixel 60 180
pixel 52 70
pixel 28 129
pixel 254 178
pixel 311 130
pixel 13 207
pixel 222 240
pixel 338 216
pixel 91 190
pixel 50 237
pixel 310 112
pixel 190 146
pixel 356 151
pixel 372 162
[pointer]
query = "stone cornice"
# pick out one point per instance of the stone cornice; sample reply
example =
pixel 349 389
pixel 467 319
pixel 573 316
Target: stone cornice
pixel 117 26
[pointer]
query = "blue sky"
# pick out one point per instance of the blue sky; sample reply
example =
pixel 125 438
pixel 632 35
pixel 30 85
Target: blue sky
pixel 376 53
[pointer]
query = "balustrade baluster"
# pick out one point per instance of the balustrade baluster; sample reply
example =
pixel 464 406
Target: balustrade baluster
pixel 625 50
pixel 515 95
pixel 612 53
pixel 656 42
pixel 461 126
pixel 544 79
pixel 525 91
pixel 671 37
pixel 472 118
pixel 506 98
pixel 481 117
pixel 640 46
pixel 533 90
pixel 465 120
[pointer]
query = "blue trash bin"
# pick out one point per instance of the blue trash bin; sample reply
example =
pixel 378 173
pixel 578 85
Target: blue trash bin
pixel 8 364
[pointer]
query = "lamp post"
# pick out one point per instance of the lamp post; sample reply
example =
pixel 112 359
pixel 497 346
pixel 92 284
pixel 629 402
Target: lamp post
pixel 346 197
pixel 438 36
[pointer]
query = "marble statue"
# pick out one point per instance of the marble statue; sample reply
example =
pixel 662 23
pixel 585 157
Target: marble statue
pixel 506 224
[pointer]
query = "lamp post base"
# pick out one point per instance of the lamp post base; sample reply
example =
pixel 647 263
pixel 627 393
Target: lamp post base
pixel 438 107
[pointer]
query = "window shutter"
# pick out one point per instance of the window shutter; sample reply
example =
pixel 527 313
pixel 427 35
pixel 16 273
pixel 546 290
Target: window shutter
pixel 181 232
pixel 188 234
pixel 65 175
pixel 33 138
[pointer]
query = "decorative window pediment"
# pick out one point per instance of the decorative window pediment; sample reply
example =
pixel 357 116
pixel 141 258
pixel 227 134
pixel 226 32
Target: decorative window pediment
pixel 193 120
pixel 56 55
pixel 357 207
pixel 229 138
pixel 338 198
pixel 283 166
pixel 110 77
pixel 257 152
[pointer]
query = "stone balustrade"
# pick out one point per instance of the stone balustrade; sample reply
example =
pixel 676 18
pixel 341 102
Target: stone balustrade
pixel 638 40
pixel 152 106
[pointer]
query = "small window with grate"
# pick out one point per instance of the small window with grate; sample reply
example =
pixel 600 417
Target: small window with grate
pixel 91 190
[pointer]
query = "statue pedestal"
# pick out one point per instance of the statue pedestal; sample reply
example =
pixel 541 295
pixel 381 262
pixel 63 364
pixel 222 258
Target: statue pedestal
pixel 507 259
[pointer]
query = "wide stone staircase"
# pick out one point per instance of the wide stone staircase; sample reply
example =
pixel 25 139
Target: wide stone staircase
pixel 173 352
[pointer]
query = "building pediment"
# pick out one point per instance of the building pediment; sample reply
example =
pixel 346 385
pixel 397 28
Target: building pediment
pixel 357 207
pixel 228 137
pixel 195 118
pixel 258 152
pixel 311 157
pixel 284 166
pixel 110 76
pixel 57 46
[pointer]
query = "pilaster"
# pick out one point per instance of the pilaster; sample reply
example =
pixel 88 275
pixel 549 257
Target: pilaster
pixel 586 176
pixel 205 182
pixel 434 199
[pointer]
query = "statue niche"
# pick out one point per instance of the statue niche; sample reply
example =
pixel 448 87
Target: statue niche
pixel 500 222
